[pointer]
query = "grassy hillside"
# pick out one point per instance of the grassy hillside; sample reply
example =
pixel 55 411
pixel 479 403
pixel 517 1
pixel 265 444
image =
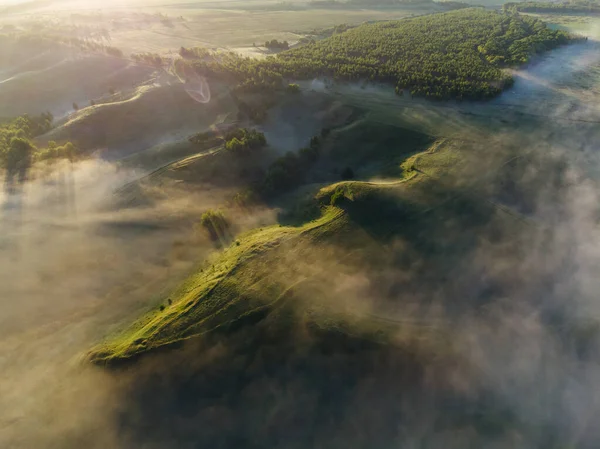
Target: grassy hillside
pixel 433 214
pixel 152 114
pixel 74 79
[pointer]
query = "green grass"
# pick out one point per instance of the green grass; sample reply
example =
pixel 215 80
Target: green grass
pixel 230 286
pixel 373 149
pixel 430 211
pixel 152 113
pixel 62 81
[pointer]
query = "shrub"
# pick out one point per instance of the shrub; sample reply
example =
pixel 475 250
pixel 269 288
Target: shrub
pixel 276 45
pixel 235 145
pixel 215 223
pixel 244 140
pixel 338 197
pixel 246 198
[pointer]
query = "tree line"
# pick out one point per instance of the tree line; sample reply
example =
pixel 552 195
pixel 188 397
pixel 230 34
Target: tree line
pixel 573 6
pixel 17 151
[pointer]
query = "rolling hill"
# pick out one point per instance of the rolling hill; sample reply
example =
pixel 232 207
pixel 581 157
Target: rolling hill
pixel 433 214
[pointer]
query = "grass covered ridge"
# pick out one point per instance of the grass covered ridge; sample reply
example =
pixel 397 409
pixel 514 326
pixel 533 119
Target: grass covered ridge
pixel 433 210
pixel 228 288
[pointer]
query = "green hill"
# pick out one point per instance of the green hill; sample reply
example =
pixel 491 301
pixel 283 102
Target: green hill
pixel 75 78
pixel 152 114
pixel 433 214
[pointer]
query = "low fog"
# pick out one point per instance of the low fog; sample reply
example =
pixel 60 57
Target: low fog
pixel 74 269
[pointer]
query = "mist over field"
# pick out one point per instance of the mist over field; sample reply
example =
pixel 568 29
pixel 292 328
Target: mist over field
pixel 487 295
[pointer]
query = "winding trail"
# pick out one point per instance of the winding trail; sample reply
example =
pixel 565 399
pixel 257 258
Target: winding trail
pixel 172 165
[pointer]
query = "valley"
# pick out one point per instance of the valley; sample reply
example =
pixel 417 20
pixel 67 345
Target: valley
pixel 375 238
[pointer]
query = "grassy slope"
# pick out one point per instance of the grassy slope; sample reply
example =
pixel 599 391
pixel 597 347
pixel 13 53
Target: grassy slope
pixel 225 290
pixel 62 80
pixel 266 267
pixel 167 110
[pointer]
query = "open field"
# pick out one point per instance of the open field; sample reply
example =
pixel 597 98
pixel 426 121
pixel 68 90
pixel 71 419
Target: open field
pixel 208 24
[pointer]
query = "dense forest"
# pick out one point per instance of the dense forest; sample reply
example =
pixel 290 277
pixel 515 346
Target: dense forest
pixel 576 6
pixel 459 54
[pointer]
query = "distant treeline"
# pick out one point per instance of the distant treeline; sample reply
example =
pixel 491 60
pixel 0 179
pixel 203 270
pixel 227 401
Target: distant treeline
pixel 548 7
pixel 458 54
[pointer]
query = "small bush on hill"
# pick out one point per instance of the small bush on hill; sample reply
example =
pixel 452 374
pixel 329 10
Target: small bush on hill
pixel 276 45
pixel 243 141
pixel 293 88
pixel 194 52
pixel 246 198
pixel 215 222
pixel 338 197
